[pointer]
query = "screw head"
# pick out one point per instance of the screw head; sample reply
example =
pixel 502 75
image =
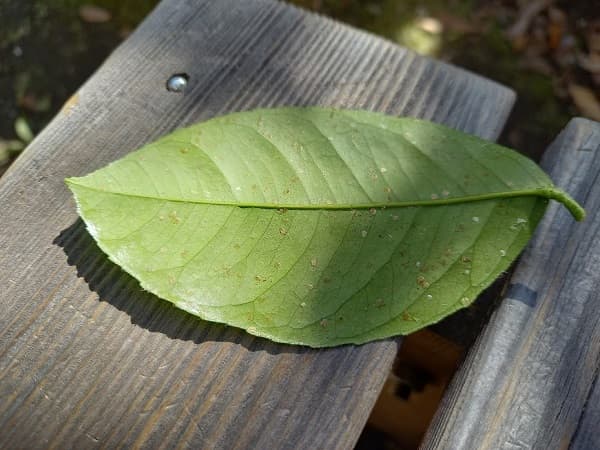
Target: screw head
pixel 177 82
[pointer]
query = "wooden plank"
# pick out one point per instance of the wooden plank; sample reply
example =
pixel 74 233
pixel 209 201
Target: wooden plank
pixel 86 358
pixel 587 437
pixel 527 380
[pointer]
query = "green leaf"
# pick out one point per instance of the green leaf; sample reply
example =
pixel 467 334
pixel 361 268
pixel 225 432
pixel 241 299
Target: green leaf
pixel 317 226
pixel 22 130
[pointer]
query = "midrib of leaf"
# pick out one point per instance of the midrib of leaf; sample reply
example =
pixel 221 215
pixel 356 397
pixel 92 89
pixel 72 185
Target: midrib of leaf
pixel 550 193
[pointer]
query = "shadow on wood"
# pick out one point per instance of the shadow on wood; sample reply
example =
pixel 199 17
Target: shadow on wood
pixel 116 287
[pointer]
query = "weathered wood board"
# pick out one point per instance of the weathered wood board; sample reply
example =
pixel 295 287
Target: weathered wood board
pixel 531 380
pixel 86 358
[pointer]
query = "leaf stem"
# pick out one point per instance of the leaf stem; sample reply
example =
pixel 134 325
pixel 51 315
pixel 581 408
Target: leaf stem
pixel 569 202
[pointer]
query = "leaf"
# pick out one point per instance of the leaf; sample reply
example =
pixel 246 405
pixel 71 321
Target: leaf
pixel 22 130
pixel 585 100
pixel 316 226
pixel 94 14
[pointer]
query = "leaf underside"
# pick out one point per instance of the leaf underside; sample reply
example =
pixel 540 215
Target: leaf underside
pixel 316 226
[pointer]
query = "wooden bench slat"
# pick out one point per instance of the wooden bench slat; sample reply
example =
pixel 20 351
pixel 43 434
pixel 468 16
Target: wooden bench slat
pixel 86 357
pixel 586 436
pixel 529 378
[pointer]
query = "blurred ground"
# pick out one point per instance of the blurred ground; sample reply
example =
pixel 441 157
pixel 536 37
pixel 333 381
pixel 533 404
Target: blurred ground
pixel 548 51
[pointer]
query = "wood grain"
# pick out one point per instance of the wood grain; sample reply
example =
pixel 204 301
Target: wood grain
pixel 586 436
pixel 529 380
pixel 89 360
